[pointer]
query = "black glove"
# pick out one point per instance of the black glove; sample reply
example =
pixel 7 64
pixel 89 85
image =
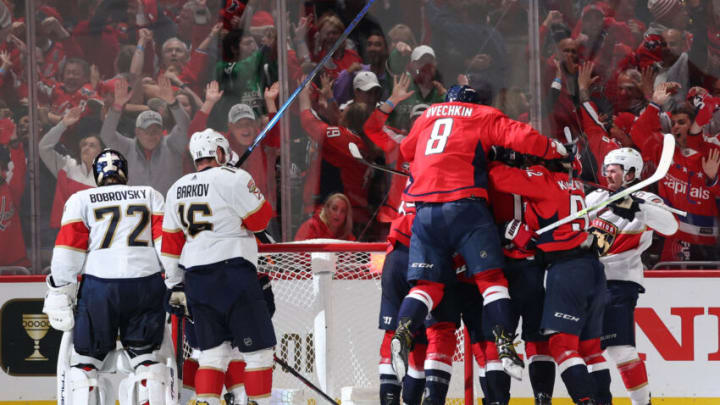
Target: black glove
pixel 626 207
pixel 507 156
pixel 176 302
pixel 266 287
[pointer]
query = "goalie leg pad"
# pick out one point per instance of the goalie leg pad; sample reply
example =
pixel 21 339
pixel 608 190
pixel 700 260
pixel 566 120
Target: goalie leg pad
pixel 153 383
pixel 84 386
pixel 258 373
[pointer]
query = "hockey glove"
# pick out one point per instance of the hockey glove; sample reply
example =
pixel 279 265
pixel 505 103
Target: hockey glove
pixel 518 235
pixel 626 207
pixel 177 301
pixel 506 156
pixel 264 281
pixel 59 304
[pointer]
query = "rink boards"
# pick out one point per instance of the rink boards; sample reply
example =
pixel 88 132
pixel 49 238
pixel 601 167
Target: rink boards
pixel 677 324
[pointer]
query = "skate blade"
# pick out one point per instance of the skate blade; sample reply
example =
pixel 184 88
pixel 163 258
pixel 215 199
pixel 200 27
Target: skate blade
pixel 396 359
pixel 513 370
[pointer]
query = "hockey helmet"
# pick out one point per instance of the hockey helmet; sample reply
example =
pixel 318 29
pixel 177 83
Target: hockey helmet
pixel 627 158
pixel 462 94
pixel 110 164
pixel 204 144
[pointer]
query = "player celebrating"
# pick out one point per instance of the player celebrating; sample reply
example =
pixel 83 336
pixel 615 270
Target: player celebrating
pixel 208 230
pixel 448 145
pixel 111 235
pixel 575 282
pixel 626 231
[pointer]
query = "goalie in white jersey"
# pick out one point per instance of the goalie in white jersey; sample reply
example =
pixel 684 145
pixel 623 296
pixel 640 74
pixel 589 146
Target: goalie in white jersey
pixel 110 234
pixel 210 256
pixel 623 232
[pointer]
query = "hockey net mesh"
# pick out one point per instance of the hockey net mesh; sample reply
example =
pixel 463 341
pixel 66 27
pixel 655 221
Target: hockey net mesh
pixel 344 303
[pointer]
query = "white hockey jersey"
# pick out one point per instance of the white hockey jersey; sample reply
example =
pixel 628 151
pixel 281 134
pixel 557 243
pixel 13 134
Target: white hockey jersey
pixel 628 239
pixel 109 232
pixel 211 216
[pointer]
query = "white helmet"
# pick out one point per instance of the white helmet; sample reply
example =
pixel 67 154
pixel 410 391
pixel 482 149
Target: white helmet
pixel 204 144
pixel 627 158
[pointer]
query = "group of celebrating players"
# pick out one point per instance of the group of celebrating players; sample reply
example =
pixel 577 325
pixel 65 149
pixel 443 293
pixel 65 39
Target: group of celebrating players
pixel 575 287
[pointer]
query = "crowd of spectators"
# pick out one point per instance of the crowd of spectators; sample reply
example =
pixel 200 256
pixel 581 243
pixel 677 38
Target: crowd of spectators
pixel 141 76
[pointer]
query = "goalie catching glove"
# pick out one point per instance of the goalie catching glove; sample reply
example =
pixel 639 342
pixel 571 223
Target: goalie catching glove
pixel 60 304
pixel 177 301
pixel 518 235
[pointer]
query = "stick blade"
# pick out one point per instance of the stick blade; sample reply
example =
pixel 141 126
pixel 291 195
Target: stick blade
pixel 355 151
pixel 666 157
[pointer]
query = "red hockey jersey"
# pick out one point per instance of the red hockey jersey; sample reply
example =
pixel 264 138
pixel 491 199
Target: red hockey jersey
pixel 12 244
pixel 685 186
pixel 550 196
pixel 448 146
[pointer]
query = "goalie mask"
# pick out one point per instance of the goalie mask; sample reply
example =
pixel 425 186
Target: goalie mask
pixel 204 144
pixel 627 159
pixel 110 164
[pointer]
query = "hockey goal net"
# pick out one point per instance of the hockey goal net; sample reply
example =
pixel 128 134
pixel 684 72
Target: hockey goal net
pixel 327 298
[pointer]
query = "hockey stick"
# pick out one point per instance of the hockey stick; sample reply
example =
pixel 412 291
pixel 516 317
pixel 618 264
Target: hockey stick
pixel 665 161
pixel 286 368
pixel 304 83
pixel 654 204
pixel 355 152
pixel 179 345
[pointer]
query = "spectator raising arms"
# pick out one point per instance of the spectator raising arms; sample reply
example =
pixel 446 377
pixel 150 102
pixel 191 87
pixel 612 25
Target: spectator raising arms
pixel 73 173
pixel 12 186
pixel 334 221
pixel 154 159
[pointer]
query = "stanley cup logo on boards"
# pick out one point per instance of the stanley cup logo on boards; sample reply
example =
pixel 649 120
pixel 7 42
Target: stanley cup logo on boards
pixel 36 326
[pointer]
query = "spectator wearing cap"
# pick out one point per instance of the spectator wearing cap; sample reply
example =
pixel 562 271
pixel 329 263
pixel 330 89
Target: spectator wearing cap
pixel 666 14
pixel 243 78
pixel 153 158
pixel 603 41
pixel 366 89
pixel 73 171
pixel 376 56
pixel 12 186
pixel 426 89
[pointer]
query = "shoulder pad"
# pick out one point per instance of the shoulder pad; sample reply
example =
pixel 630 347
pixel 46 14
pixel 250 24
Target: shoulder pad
pixel 648 196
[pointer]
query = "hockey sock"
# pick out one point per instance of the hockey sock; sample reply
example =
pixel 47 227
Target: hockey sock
pixel 438 362
pixel 498 381
pixel 189 368
pixel 209 383
pixel 496 300
pixel 235 380
pixel 598 368
pixel 421 299
pixel 258 384
pixel 478 352
pixel 414 382
pixel 633 372
pixel 541 368
pixel 389 384
pixel 573 371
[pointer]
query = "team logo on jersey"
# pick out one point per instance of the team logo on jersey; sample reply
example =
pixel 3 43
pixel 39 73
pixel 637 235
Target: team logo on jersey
pixel 253 189
pixel 248 341
pixel 604 233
